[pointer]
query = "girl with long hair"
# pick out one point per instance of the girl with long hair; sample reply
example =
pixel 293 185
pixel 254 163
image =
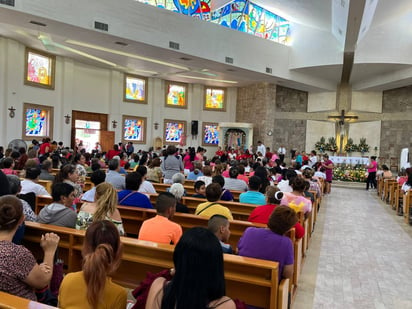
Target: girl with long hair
pixel 102 251
pixel 104 208
pixel 198 281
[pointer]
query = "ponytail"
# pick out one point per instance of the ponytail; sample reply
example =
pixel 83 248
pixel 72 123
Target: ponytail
pixel 96 266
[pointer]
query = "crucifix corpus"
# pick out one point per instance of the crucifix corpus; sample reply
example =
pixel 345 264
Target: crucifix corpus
pixel 341 120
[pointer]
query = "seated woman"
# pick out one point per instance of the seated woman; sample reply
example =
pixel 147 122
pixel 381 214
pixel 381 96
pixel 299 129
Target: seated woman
pixel 130 196
pixel 296 198
pixel 92 287
pixel 178 191
pixel 226 194
pixel 262 213
pixel 145 186
pixel 270 243
pixel 386 172
pixel 198 258
pixel 104 208
pixel 154 172
pixel 19 272
pixel 69 174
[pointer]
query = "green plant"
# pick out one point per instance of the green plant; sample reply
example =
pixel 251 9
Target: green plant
pixel 350 146
pixel 321 144
pixel 331 145
pixel 363 147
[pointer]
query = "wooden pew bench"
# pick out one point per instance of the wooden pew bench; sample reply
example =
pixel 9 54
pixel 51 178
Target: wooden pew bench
pixel 8 301
pixel 251 280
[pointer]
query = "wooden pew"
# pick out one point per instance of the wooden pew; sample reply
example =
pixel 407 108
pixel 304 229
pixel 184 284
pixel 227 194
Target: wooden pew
pixel 8 301
pixel 47 184
pixel 133 218
pixel 161 187
pixel 407 205
pixel 253 281
pixel 240 211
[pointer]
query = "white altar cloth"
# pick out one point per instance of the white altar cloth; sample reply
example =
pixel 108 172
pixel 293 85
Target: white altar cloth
pixel 349 160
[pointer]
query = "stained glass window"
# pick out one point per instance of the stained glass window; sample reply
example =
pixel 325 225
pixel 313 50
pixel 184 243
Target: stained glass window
pixel 176 95
pixel 241 15
pixel 215 99
pixel 210 134
pixel 175 131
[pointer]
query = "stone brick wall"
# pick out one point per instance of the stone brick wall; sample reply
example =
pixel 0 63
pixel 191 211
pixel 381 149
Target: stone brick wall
pixel 256 104
pixel 397 100
pixel 395 135
pixel 290 133
pixel 291 100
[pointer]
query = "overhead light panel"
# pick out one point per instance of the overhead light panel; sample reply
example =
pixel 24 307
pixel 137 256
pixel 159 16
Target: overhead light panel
pixel 113 51
pixel 209 79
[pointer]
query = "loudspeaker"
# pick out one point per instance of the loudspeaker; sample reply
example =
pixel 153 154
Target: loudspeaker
pixel 195 127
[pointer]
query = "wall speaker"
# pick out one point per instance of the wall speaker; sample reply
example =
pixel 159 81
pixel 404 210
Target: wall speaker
pixel 195 127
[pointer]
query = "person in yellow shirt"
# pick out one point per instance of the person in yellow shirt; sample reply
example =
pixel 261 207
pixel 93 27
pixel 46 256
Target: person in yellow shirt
pixel 92 287
pixel 211 207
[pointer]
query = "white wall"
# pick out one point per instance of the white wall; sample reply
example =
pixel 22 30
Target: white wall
pixel 321 101
pixel 91 89
pixel 367 101
pixel 315 130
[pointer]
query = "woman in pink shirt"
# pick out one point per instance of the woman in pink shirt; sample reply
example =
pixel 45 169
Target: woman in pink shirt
pixel 372 167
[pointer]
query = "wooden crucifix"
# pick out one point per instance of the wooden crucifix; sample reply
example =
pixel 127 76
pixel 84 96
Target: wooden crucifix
pixel 341 130
pixel 342 117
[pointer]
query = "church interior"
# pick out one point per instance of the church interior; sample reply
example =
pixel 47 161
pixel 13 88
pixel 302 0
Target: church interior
pixel 128 71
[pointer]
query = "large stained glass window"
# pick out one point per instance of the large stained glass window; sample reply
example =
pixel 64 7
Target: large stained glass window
pixel 134 129
pixel 39 69
pixel 210 134
pixel 241 15
pixel 135 89
pixel 176 95
pixel 37 121
pixel 215 99
pixel 175 132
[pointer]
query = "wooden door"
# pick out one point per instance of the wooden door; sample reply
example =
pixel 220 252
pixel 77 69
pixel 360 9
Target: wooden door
pixel 106 140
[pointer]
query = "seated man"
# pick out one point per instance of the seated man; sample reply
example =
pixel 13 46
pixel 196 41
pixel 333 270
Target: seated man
pixel 130 196
pixel 59 212
pixel 253 196
pixel 96 178
pixel 232 183
pixel 219 226
pixel 211 207
pixel 46 168
pixel 113 176
pixel 160 229
pixel 29 184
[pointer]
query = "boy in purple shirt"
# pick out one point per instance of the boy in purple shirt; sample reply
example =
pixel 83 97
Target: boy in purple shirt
pixel 270 243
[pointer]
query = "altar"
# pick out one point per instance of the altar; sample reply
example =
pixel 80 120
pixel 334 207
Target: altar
pixel 349 160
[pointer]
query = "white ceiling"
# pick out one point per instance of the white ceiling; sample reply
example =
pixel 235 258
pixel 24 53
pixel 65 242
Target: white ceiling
pixel 388 26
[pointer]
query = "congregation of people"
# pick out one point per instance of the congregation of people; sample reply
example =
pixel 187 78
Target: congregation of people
pixel 278 190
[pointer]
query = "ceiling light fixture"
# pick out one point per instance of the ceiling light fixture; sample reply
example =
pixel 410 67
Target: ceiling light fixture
pixel 210 79
pixel 113 51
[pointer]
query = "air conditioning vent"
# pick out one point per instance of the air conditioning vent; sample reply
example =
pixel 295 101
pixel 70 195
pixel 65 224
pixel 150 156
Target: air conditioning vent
pixel 269 70
pixel 229 60
pixel 101 26
pixel 7 2
pixel 174 45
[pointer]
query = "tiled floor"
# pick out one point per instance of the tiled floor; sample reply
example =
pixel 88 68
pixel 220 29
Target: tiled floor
pixel 360 255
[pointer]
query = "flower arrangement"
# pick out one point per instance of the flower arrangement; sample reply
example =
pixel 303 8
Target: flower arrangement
pixel 350 146
pixel 363 147
pixel 321 145
pixel 346 173
pixel 331 146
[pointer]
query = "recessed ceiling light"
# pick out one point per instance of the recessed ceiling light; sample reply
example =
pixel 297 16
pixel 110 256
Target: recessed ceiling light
pixel 121 53
pixel 231 70
pixel 209 79
pixel 121 43
pixel 185 58
pixel 37 23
